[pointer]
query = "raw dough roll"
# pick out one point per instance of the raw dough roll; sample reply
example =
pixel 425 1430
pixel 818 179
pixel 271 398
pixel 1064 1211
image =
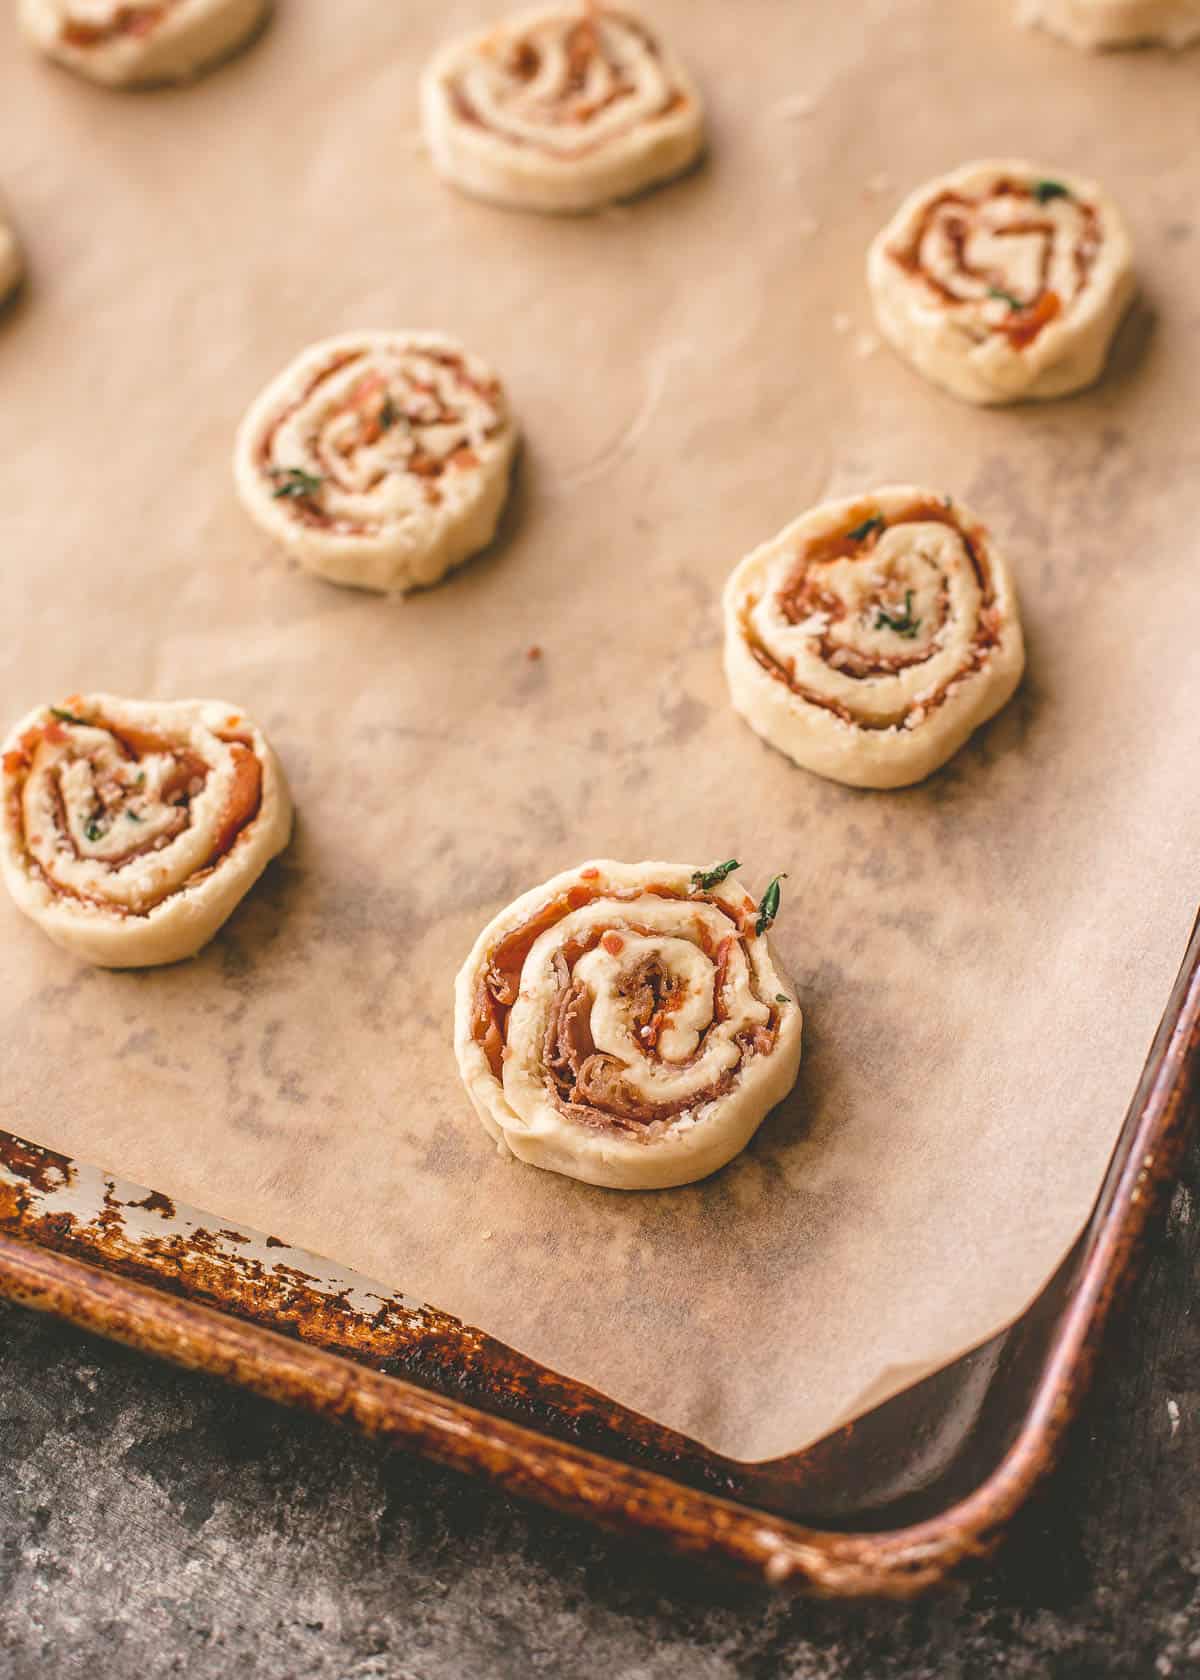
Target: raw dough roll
pixel 11 265
pixel 132 828
pixel 626 1024
pixel 1001 282
pixel 378 458
pixel 870 637
pixel 563 108
pixel 136 43
pixel 1116 23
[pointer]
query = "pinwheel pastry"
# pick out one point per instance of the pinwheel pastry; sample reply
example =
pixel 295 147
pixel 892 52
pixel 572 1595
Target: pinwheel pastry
pixel 628 1024
pixel 137 43
pixel 870 637
pixel 564 108
pixel 132 828
pixel 1000 282
pixel 378 458
pixel 1116 23
pixel 11 266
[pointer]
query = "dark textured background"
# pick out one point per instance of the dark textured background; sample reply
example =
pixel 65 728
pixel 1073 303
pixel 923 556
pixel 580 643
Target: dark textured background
pixel 154 1523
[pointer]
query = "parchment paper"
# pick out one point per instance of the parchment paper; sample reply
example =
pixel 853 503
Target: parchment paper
pixel 982 961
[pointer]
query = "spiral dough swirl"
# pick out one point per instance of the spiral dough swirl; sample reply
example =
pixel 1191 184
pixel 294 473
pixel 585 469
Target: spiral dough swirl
pixel 1002 281
pixel 625 1026
pixel 560 109
pixel 131 829
pixel 378 459
pixel 128 43
pixel 872 636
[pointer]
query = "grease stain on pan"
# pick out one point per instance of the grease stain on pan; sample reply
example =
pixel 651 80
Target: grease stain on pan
pixel 59 1204
pixel 62 1204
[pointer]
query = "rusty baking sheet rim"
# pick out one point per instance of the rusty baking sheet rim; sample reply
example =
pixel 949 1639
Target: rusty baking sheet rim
pixel 158 1313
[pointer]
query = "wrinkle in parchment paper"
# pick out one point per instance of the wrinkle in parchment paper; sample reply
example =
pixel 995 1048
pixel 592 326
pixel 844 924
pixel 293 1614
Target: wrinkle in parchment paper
pixel 982 960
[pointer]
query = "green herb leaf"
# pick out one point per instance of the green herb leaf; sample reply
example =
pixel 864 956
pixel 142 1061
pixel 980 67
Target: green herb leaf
pixel 904 624
pixel 93 830
pixel 769 907
pixel 132 816
pixel 1002 296
pixel 781 998
pixel 864 530
pixel 705 879
pixel 1044 191
pixel 297 483
pixel 388 415
pixel 948 501
pixel 68 717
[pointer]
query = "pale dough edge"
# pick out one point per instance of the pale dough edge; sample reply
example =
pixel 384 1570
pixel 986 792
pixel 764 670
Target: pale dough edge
pixel 1099 25
pixel 609 1160
pixel 489 168
pixel 182 47
pixel 388 562
pixel 1070 355
pixel 12 265
pixel 188 919
pixel 820 742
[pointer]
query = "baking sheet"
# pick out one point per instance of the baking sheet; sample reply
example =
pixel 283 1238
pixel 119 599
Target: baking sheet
pixel 982 961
